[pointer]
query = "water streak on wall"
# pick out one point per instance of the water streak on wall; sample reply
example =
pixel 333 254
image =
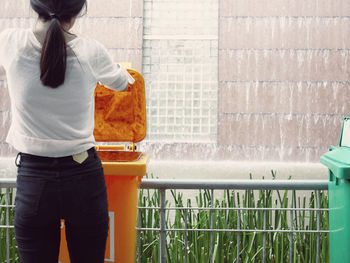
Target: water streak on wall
pixel 283 74
pixel 284 66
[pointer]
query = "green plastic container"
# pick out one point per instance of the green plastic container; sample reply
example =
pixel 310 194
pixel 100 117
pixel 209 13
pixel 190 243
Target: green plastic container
pixel 338 162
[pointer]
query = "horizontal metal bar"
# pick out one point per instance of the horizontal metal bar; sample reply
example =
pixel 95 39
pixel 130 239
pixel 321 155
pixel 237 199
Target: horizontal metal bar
pixel 289 81
pixel 285 17
pixel 180 37
pixel 284 49
pixel 237 230
pixel 5 226
pixel 236 208
pixel 7 182
pixel 217 184
pixel 235 184
pixel 7 206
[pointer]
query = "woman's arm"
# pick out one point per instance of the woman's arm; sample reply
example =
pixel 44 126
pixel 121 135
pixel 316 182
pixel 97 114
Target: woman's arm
pixel 109 73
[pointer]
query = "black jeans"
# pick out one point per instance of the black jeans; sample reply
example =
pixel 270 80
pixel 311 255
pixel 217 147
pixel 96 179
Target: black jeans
pixel 51 189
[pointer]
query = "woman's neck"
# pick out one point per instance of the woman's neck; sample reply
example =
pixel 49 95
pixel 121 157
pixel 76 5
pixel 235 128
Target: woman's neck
pixel 42 27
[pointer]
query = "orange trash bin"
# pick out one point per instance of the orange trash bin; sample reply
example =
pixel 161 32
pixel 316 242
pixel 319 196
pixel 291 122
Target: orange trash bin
pixel 119 117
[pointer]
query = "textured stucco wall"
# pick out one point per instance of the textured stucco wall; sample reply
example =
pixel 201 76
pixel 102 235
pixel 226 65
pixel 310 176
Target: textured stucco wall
pixel 283 77
pixel 283 74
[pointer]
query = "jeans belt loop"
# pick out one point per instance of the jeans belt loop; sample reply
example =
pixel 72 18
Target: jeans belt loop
pixel 18 160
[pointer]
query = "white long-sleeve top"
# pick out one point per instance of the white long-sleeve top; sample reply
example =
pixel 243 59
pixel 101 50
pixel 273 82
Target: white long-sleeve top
pixel 55 122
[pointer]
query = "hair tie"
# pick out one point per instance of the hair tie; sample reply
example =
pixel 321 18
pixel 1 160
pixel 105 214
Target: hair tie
pixel 53 15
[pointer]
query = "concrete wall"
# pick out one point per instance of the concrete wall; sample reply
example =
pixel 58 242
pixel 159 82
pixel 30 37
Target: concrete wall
pixel 283 77
pixel 283 74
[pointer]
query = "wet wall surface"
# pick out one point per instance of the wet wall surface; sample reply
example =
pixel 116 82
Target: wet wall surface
pixel 282 84
pixel 284 66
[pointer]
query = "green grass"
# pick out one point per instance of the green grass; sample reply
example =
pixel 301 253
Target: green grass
pixel 224 243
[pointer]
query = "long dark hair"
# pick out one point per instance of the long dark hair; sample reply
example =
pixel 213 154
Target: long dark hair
pixel 53 60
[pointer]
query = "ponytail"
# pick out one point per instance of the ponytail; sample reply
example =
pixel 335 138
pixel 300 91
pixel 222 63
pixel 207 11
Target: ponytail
pixel 53 60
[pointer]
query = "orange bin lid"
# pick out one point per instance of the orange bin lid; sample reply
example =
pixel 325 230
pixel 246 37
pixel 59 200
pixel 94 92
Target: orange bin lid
pixel 121 116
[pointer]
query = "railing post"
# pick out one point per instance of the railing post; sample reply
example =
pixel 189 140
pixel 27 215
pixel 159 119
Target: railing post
pixel 186 238
pixel 264 238
pixel 318 226
pixel 291 237
pixel 238 234
pixel 139 249
pixel 7 224
pixel 211 225
pixel 162 227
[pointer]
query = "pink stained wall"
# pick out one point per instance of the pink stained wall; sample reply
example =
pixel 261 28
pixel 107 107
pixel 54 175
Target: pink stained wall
pixel 283 78
pixel 283 74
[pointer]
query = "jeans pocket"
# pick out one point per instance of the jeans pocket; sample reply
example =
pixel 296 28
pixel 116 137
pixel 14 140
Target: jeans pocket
pixel 29 192
pixel 93 195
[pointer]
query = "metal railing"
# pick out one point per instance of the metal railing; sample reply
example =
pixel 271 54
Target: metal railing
pixel 7 184
pixel 212 185
pixel 165 185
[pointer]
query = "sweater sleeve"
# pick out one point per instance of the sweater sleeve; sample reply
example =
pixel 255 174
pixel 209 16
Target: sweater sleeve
pixel 108 73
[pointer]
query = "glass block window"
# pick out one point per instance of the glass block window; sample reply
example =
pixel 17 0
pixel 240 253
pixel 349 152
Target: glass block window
pixel 180 67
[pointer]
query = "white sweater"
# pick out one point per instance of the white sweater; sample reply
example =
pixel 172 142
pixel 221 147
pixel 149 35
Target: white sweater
pixel 55 122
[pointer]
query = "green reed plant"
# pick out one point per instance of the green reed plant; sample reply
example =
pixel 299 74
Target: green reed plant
pixel 13 255
pixel 225 243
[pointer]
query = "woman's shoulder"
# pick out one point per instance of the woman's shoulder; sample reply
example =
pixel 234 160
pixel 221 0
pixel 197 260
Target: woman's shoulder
pixel 88 48
pixel 86 43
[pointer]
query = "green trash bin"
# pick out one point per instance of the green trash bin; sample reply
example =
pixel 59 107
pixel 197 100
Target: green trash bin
pixel 338 162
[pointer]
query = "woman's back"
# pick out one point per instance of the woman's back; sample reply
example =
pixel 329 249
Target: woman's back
pixel 54 121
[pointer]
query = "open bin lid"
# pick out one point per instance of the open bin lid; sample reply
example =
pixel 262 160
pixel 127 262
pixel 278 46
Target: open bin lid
pixel 338 159
pixel 121 117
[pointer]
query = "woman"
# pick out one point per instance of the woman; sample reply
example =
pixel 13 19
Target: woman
pixel 51 77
